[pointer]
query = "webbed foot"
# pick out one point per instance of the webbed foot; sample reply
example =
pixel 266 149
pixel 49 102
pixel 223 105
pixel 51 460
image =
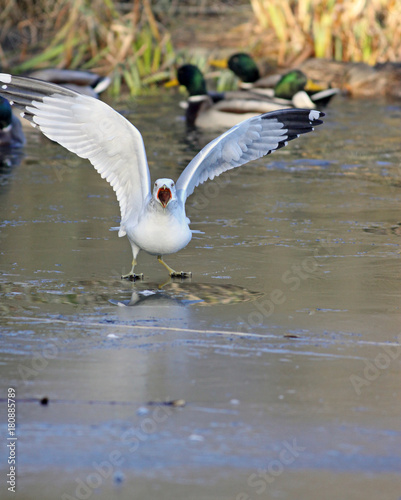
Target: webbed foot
pixel 181 274
pixel 132 276
pixel 172 273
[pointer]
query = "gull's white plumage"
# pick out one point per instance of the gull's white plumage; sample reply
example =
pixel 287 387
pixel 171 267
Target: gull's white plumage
pixel 154 221
pixel 93 130
pixel 249 140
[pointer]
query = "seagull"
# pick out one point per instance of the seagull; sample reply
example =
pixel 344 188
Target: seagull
pixel 152 217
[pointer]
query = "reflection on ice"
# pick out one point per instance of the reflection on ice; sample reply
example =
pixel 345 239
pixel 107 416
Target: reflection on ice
pixel 190 293
pixel 101 293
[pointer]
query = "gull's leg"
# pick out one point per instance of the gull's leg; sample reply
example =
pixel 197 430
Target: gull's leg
pixel 172 273
pixel 131 275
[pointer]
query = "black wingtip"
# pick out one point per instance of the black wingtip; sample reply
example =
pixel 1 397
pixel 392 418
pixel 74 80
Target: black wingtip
pixel 296 121
pixel 295 114
pixel 317 122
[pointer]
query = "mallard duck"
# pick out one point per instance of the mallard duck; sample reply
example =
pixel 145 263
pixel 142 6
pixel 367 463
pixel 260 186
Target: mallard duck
pixel 218 110
pixel 84 82
pixel 292 88
pixel 295 87
pixel 11 134
pixel 152 215
pixel 246 69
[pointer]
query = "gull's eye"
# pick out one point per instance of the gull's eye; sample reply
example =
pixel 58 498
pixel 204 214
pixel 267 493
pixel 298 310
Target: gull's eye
pixel 172 184
pixel 155 184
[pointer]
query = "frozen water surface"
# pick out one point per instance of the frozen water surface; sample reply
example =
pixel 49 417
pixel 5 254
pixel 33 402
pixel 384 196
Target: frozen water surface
pixel 273 373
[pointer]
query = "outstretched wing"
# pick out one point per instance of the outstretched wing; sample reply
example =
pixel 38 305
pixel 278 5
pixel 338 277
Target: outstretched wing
pixel 91 129
pixel 247 141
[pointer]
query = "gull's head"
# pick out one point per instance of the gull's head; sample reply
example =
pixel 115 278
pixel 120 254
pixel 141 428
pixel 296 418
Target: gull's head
pixel 164 191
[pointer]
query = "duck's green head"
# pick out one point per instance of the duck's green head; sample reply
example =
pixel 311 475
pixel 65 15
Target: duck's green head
pixel 5 113
pixel 191 77
pixel 290 83
pixel 244 67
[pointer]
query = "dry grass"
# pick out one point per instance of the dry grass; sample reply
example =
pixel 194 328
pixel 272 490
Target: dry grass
pixel 346 30
pixel 127 42
pixel 96 35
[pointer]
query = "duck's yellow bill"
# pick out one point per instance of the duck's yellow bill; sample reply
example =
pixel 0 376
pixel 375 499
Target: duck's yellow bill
pixel 172 83
pixel 313 86
pixel 219 63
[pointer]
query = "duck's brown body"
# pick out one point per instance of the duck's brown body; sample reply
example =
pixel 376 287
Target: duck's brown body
pixel 359 79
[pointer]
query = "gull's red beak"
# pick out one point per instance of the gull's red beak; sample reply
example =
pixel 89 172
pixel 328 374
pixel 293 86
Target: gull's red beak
pixel 164 196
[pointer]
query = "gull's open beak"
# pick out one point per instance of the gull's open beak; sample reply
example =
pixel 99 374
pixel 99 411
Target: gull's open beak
pixel 164 195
